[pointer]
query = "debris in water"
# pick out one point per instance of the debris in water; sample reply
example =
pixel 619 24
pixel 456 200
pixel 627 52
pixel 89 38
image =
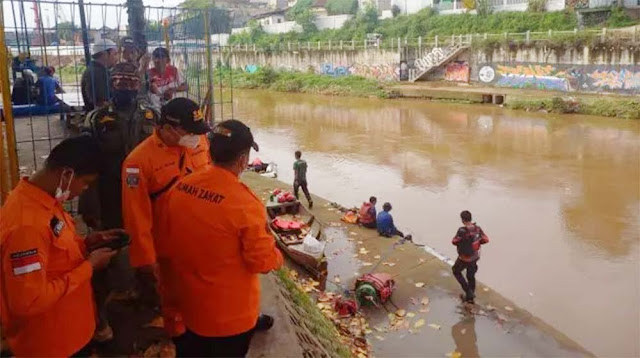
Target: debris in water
pixel 336 279
pixel 419 323
pixel 419 284
pixel 434 326
pixel 508 308
pixel 531 294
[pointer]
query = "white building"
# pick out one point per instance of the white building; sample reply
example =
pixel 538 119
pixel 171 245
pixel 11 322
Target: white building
pixel 381 5
pixel 270 18
pixel 278 4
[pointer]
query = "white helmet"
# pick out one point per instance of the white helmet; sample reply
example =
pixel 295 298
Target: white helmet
pixel 103 45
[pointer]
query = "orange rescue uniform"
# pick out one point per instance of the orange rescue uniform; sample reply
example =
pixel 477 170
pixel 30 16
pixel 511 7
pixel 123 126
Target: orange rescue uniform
pixel 218 235
pixel 46 300
pixel 148 173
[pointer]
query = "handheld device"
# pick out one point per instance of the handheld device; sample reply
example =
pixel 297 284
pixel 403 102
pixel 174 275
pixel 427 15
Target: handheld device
pixel 121 241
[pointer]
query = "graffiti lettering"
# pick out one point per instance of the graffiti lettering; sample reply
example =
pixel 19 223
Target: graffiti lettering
pixel 431 59
pixel 457 72
pixel 379 72
pixel 251 68
pixel 613 80
pixel 335 71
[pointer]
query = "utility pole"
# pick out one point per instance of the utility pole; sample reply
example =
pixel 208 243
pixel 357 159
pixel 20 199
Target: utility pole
pixel 135 11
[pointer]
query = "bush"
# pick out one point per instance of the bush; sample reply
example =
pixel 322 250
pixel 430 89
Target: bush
pixel 537 6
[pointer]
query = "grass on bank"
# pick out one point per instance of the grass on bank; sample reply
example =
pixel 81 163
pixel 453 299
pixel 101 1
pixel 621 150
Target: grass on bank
pixel 320 326
pixel 627 108
pixel 285 81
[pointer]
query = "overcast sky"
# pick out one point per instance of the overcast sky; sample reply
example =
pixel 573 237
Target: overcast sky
pixel 97 16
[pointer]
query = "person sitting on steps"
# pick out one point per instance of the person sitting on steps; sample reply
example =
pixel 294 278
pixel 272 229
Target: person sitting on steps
pixel 367 213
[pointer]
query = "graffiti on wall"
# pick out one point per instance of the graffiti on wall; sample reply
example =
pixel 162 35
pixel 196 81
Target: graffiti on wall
pixel 430 59
pixel 251 68
pixel 624 79
pixel 457 72
pixel 379 72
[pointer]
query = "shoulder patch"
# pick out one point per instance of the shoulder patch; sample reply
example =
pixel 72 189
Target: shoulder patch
pixel 132 176
pixel 56 226
pixel 23 262
pixel 148 114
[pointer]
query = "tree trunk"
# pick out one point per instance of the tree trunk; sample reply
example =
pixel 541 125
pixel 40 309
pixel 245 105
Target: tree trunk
pixel 135 10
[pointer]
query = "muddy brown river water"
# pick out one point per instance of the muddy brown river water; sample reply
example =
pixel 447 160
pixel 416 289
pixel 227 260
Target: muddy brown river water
pixel 559 196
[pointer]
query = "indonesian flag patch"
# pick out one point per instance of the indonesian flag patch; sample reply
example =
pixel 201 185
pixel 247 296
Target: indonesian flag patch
pixel 25 261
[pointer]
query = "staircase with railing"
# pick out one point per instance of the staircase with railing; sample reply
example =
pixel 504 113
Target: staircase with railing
pixel 435 59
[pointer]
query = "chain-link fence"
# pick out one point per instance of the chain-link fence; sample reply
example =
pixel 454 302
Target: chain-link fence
pixel 54 39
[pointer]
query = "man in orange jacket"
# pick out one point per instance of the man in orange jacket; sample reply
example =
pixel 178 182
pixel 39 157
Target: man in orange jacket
pixel 46 300
pixel 216 229
pixel 176 148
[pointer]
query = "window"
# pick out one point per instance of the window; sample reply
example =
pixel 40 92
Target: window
pixel 280 20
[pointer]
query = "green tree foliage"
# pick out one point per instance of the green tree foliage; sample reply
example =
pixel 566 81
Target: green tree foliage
pixel 395 10
pixel 306 19
pixel 483 7
pixel 298 9
pixel 193 22
pixel 135 11
pixel 337 7
pixel 65 30
pixel 537 6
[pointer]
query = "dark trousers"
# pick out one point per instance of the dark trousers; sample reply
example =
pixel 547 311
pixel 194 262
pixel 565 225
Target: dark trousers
pixel 396 232
pixel 371 225
pixel 193 345
pixel 301 184
pixel 468 285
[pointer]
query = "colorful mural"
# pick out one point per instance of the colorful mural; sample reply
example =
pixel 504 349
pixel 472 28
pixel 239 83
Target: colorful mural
pixel 623 79
pixel 457 72
pixel 379 72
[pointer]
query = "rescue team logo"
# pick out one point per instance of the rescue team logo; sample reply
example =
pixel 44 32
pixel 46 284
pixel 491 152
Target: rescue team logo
pixel 133 176
pixel 23 262
pixel 56 226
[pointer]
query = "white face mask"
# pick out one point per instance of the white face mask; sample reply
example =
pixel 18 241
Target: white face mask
pixel 63 195
pixel 189 141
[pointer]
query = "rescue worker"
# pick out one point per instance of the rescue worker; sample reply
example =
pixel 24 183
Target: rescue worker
pixel 468 240
pixel 119 127
pixel 46 302
pixel 216 230
pixel 367 213
pixel 300 178
pixel 176 148
pixel 95 84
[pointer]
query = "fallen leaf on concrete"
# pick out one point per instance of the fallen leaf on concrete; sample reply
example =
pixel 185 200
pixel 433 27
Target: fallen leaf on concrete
pixel 336 279
pixel 454 354
pixel 379 338
pixel 463 331
pixel 508 308
pixel 401 313
pixel 390 264
pixel 356 255
pixel 359 242
pixel 490 308
pixel 367 264
pixel 363 251
pixel 419 323
pixel 411 314
pixel 502 318
pixel 485 289
pixel 422 260
pixel 379 329
pixel 368 331
pixel 413 300
pixel 434 326
pixel 424 310
pixel 353 233
pixel 419 284
pixel 376 257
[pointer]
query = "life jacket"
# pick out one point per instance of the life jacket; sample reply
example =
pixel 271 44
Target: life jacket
pixel 382 282
pixel 470 240
pixel 365 217
pixel 285 224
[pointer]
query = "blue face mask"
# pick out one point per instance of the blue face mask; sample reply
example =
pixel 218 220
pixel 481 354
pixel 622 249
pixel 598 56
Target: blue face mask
pixel 124 98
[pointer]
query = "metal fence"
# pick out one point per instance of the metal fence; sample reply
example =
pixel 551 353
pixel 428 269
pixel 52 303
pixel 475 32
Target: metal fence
pixel 59 34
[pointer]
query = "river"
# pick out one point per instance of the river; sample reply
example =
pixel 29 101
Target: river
pixel 559 196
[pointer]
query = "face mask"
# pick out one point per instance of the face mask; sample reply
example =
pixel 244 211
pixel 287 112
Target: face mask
pixel 189 141
pixel 124 98
pixel 63 195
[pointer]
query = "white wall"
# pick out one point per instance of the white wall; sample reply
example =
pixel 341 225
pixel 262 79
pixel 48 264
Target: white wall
pixel 331 22
pixel 411 6
pixel 282 27
pixel 632 3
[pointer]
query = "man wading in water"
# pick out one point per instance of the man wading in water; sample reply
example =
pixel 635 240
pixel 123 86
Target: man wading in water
pixel 468 240
pixel 300 178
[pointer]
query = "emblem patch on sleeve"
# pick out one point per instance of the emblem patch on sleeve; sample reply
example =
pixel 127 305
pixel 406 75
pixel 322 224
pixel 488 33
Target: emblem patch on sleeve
pixel 23 262
pixel 133 176
pixel 56 226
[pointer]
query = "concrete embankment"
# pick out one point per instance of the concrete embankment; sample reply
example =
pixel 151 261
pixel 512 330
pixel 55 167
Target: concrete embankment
pixel 433 321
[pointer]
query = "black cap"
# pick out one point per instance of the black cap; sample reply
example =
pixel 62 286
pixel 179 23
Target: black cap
pixel 127 41
pixel 230 138
pixel 185 113
pixel 160 52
